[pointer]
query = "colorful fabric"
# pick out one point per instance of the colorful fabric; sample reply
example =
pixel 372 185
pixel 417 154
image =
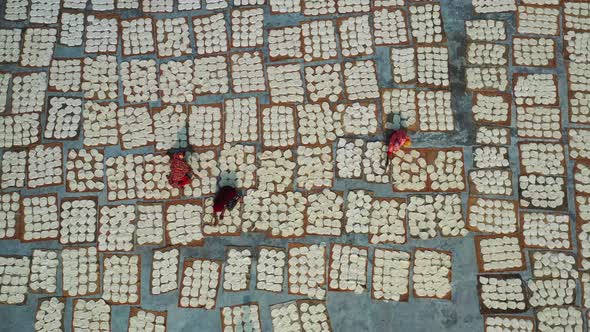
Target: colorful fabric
pixel 179 171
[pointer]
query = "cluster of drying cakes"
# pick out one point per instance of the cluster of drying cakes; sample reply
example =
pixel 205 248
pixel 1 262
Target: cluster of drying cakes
pixel 291 112
pixel 236 274
pixel 200 281
pixel 576 25
pixel 515 84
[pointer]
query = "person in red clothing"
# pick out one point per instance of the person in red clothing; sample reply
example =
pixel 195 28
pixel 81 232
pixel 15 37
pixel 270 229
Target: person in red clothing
pixel 180 171
pixel 226 198
pixel 397 140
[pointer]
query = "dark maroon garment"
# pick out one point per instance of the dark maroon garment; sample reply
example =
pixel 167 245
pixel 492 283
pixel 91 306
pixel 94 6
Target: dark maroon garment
pixel 224 197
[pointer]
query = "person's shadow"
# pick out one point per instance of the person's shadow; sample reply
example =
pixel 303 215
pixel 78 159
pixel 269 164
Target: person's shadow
pixel 227 178
pixel 182 143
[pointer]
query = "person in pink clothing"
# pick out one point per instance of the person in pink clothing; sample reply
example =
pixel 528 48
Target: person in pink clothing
pixel 397 140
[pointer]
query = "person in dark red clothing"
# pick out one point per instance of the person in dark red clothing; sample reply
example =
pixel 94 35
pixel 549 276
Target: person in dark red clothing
pixel 180 171
pixel 397 140
pixel 226 198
